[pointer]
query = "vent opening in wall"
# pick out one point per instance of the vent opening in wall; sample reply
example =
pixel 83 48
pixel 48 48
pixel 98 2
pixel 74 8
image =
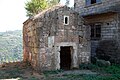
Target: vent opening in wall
pixel 66 20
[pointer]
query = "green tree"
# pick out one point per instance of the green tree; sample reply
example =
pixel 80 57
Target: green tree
pixel 52 2
pixel 35 6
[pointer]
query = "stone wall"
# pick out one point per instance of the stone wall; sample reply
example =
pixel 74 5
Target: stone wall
pixel 109 50
pixel 109 28
pixel 30 43
pixel 102 7
pixel 46 33
pixel 118 27
pixel 106 14
pixel 109 24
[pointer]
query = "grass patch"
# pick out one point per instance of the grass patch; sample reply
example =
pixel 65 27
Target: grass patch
pixel 104 73
pixel 87 77
pixel 11 73
pixel 89 66
pixel 30 78
pixel 114 69
pixel 52 72
pixel 33 78
pixel 100 77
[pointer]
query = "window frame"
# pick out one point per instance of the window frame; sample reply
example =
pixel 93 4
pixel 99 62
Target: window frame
pixel 89 2
pixel 65 16
pixel 93 1
pixel 95 33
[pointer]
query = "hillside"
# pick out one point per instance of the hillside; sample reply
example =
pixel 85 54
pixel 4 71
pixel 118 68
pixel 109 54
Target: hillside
pixel 11 46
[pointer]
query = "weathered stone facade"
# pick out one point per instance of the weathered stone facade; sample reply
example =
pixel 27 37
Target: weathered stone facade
pixel 62 38
pixel 101 6
pixel 103 13
pixel 48 42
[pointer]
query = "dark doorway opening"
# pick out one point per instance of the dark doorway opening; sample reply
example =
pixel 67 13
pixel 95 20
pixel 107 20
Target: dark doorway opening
pixel 65 58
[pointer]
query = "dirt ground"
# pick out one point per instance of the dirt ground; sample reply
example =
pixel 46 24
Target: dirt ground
pixel 21 71
pixel 18 71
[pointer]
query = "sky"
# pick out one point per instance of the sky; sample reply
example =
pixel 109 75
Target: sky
pixel 71 2
pixel 13 14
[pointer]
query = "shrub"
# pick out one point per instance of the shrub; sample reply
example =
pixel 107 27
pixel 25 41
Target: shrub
pixel 89 66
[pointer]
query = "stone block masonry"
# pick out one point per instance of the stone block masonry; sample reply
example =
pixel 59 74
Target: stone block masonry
pixel 56 39
pixel 103 18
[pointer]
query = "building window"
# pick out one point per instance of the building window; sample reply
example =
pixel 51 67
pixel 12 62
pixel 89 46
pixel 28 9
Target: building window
pixel 93 1
pixel 89 2
pixel 66 20
pixel 95 31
